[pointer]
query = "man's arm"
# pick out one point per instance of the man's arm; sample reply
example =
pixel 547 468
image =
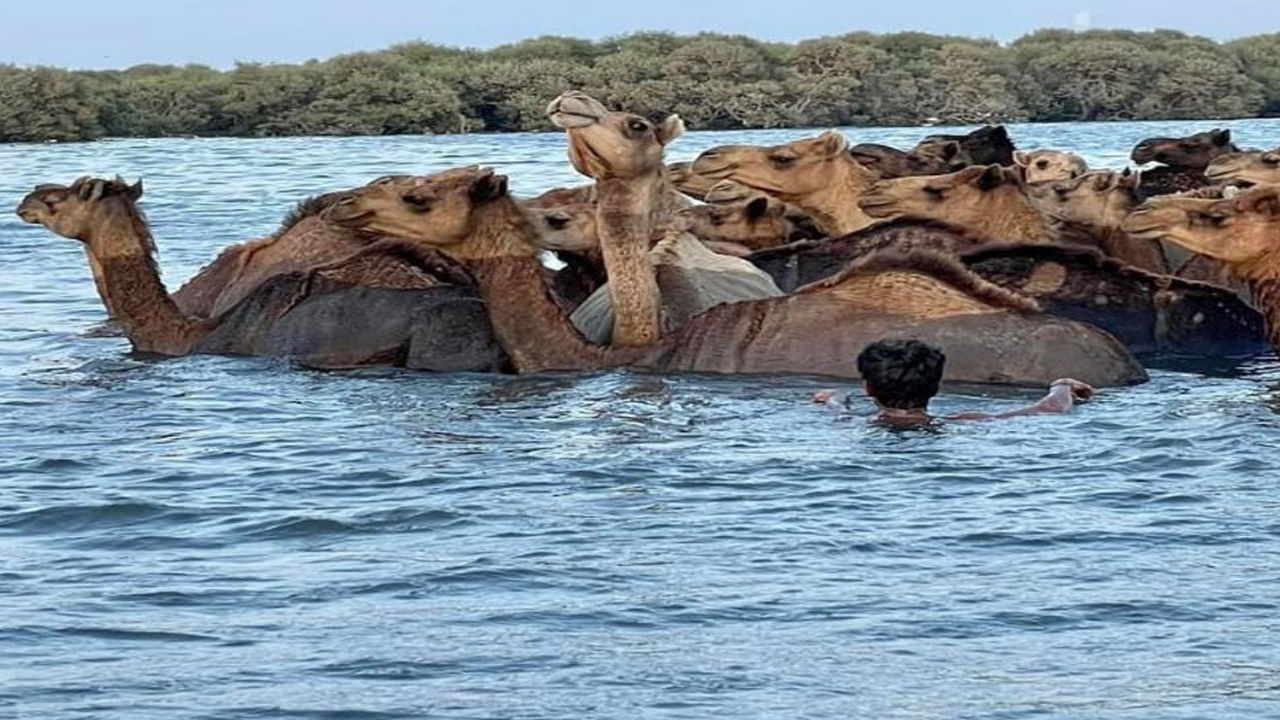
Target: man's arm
pixel 1063 395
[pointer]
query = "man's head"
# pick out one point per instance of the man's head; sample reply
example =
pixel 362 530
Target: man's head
pixel 901 374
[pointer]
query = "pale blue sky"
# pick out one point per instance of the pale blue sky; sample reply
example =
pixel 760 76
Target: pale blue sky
pixel 106 33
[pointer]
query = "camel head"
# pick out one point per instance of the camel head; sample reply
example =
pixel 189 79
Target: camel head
pixel 988 145
pixel 604 144
pixel 755 223
pixel 1242 230
pixel 442 210
pixel 952 197
pixel 75 211
pixel 1047 165
pixel 1193 151
pixel 570 228
pixel 792 170
pixel 1256 168
pixel 1098 199
pixel 890 162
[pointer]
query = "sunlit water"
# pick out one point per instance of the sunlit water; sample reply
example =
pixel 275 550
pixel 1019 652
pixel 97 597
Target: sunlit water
pixel 229 538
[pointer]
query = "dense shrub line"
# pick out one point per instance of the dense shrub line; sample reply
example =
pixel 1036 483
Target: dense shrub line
pixel 713 81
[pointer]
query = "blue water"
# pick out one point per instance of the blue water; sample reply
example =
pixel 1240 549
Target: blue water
pixel 228 538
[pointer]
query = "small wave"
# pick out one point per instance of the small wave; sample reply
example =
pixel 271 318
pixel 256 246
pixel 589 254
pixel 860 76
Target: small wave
pixel 77 518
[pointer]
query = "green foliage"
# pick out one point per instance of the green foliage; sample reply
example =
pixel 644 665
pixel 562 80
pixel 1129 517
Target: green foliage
pixel 714 81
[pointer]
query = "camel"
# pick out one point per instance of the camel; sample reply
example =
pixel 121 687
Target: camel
pixel 816 175
pixel 1252 168
pixel 1149 313
pixel 1242 231
pixel 1048 165
pixel 379 305
pixel 1183 160
pixel 989 199
pixel 238 269
pixel 890 162
pixel 989 334
pixel 988 145
pixel 1089 210
pixel 754 223
pixel 623 153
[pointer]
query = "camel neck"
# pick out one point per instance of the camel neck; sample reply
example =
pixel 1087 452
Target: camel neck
pixel 835 207
pixel 1266 294
pixel 529 324
pixel 1012 217
pixel 625 218
pixel 133 290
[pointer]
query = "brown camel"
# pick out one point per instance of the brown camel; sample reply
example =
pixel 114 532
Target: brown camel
pixel 988 145
pixel 816 175
pixel 1089 210
pixel 1242 231
pixel 1148 313
pixel 1183 160
pixel 743 227
pixel 1253 168
pixel 623 152
pixel 379 305
pixel 1048 165
pixel 990 335
pixel 988 199
pixel 890 162
pixel 1193 151
pixel 238 269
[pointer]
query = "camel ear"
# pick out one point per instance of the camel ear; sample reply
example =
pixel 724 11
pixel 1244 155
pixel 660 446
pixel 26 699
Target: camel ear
pixel 1000 134
pixel 1221 138
pixel 833 143
pixel 90 189
pixel 135 191
pixel 669 129
pixel 1020 158
pixel 488 187
pixel 757 208
pixel 990 178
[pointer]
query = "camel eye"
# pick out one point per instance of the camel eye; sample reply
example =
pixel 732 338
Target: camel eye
pixel 1211 218
pixel 417 202
pixel 782 160
pixel 1042 164
pixel 716 219
pixel 557 221
pixel 638 125
pixel 1271 159
pixel 936 193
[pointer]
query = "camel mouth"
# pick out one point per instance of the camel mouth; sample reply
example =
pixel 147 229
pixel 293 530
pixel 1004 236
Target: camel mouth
pixel 576 110
pixel 572 120
pixel 28 213
pixel 712 167
pixel 1145 225
pixel 873 204
pixel 723 195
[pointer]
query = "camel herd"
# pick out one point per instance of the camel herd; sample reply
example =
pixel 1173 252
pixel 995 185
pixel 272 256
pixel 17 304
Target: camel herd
pixel 1022 266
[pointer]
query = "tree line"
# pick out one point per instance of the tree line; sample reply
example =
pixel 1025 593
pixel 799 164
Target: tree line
pixel 713 81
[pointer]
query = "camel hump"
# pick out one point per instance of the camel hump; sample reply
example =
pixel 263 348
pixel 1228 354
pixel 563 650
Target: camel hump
pixel 919 284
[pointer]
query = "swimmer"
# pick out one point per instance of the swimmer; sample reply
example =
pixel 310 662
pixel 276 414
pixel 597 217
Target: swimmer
pixel 902 376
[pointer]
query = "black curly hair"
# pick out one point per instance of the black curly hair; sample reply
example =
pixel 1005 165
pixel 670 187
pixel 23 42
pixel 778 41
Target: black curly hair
pixel 902 374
